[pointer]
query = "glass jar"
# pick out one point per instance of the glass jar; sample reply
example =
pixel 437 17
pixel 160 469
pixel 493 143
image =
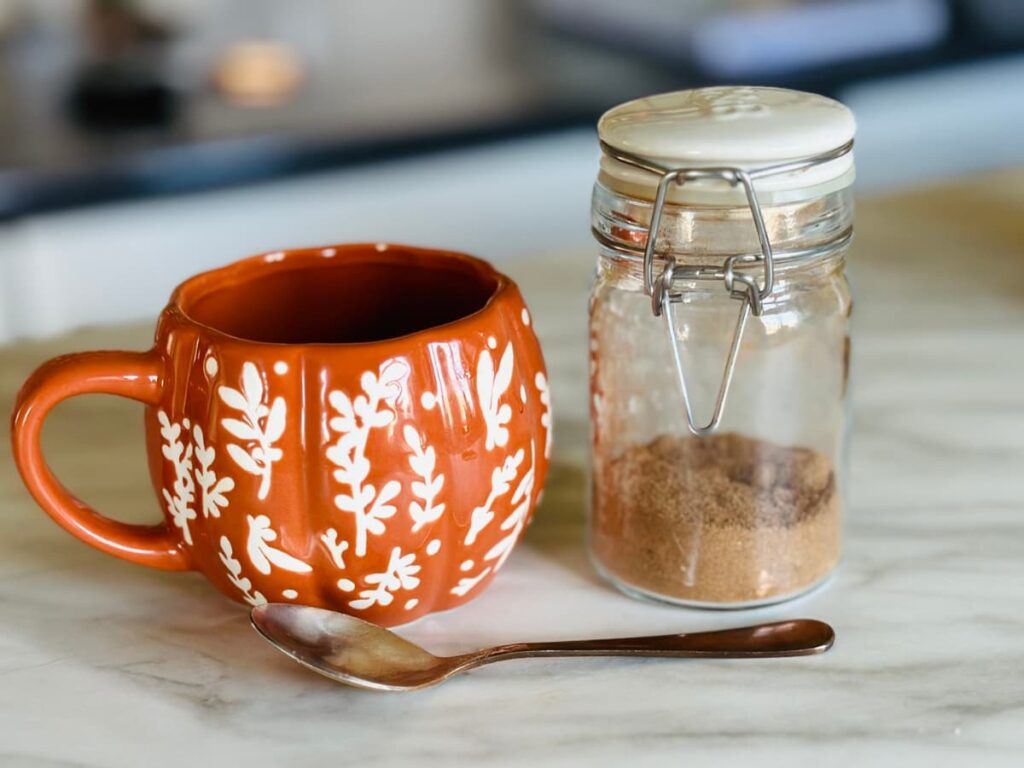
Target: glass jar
pixel 720 347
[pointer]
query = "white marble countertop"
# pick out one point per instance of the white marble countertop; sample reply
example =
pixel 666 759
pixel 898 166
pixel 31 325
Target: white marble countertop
pixel 106 663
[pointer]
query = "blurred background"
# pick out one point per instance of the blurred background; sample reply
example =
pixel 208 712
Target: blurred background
pixel 143 141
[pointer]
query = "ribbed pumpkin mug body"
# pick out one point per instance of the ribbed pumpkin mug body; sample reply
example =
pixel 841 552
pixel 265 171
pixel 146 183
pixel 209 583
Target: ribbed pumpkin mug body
pixel 364 428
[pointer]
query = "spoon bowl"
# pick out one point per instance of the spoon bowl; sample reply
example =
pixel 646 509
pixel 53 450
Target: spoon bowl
pixel 356 652
pixel 347 649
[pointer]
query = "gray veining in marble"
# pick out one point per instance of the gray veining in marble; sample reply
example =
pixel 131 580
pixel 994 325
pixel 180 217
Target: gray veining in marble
pixel 106 663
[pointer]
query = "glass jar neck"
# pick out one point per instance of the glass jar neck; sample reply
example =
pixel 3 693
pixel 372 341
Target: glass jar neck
pixel 801 233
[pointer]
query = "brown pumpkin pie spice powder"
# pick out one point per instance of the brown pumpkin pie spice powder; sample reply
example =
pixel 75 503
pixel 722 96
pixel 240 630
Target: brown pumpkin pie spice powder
pixel 717 519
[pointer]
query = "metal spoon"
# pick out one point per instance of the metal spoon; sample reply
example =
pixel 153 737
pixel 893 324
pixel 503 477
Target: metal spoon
pixel 355 652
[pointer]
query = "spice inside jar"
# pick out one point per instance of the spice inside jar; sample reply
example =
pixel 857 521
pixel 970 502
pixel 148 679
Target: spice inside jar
pixel 717 519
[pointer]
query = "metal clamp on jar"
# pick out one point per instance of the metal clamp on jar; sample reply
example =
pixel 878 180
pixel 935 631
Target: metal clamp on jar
pixel 705 198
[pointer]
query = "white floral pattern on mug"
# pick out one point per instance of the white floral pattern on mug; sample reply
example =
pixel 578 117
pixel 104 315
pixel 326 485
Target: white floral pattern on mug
pixel 260 427
pixel 353 421
pixel 490 386
pixel 263 555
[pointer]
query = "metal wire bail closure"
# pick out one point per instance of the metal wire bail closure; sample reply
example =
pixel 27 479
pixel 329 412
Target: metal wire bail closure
pixel 740 285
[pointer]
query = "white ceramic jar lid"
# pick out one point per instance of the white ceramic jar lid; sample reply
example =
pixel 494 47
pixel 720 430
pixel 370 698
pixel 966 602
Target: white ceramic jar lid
pixel 745 127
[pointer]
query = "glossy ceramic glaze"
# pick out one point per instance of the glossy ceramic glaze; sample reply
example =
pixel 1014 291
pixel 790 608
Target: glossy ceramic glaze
pixel 361 427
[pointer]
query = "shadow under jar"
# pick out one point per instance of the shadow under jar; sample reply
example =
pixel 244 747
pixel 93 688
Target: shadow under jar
pixel 720 354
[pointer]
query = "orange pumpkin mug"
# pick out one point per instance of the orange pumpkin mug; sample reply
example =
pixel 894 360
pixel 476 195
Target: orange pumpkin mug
pixel 360 427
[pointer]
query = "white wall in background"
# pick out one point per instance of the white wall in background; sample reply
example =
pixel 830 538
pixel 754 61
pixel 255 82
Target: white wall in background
pixel 934 125
pixel 120 262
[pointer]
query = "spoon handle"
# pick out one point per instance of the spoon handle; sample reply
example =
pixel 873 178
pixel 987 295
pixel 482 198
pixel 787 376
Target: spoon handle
pixel 798 637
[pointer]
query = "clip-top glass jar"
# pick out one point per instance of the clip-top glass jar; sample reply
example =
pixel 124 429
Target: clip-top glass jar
pixel 720 344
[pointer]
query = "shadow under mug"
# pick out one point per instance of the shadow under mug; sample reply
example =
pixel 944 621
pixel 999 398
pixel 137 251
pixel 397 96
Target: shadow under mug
pixel 358 427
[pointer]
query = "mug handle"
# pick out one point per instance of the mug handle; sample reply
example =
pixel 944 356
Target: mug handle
pixel 135 375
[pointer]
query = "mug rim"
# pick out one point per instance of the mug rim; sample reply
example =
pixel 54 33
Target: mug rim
pixel 293 259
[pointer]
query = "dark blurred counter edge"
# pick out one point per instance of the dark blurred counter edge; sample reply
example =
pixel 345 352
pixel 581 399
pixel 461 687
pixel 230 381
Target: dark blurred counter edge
pixel 191 167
